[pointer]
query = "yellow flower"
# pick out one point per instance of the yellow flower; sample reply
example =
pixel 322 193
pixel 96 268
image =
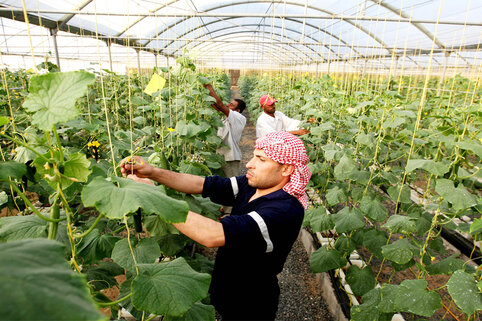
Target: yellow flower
pixel 400 237
pixel 12 151
pixel 432 258
pixel 170 129
pixel 2 132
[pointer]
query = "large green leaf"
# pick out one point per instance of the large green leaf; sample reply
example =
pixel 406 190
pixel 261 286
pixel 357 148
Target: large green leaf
pixel 144 250
pixel 12 169
pixel 463 289
pixel 360 280
pixel 95 246
pixel 344 168
pixel 52 96
pixel 369 310
pixel 115 201
pixel 169 288
pixel 335 195
pixel 373 240
pixel 476 226
pixel 438 169
pixel 325 259
pixel 75 168
pixel 413 297
pixel 102 276
pixel 473 146
pixel 394 192
pixel 459 197
pixel 37 284
pixel 373 209
pixel 399 251
pixel 400 224
pixel 446 266
pixel 318 219
pixel 348 220
pixel 197 312
pixel 22 227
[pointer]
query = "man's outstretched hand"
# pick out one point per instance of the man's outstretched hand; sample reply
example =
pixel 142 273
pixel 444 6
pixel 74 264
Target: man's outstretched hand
pixel 136 166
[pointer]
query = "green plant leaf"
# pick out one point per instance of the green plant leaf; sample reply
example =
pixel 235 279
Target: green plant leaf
pixel 95 246
pixel 394 191
pixel 102 276
pixel 348 220
pixel 436 168
pixel 3 198
pixel 41 285
pixel 323 260
pixel 52 96
pixel 116 201
pixel 197 312
pixel 145 251
pixel 475 147
pixel 459 197
pixel 413 297
pixel 373 240
pixel 22 227
pixel 399 251
pixel 446 266
pixel 4 120
pixel 476 226
pixel 344 168
pixel 373 209
pixel 360 280
pixel 318 219
pixel 169 288
pixel 367 140
pixel 369 309
pixel 400 224
pixel 12 169
pixel 463 289
pixel 335 196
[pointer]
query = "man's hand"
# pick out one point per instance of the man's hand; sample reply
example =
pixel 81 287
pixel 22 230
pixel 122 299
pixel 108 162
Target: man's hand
pixel 140 180
pixel 299 132
pixel 136 166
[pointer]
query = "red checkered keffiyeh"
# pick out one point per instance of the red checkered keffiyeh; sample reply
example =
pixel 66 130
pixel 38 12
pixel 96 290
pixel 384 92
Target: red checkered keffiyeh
pixel 286 148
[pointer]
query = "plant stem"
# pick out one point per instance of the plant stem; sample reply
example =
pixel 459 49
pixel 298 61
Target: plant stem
pixel 30 205
pixel 107 304
pixel 90 228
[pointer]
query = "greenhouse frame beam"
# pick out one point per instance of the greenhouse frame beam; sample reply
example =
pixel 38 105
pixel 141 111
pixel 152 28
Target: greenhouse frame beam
pixel 332 16
pixel 249 31
pixel 17 15
pixel 65 19
pixel 317 43
pixel 417 25
pixel 363 29
pixel 272 44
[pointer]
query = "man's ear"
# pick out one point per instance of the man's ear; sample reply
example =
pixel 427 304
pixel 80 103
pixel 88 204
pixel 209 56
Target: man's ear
pixel 287 170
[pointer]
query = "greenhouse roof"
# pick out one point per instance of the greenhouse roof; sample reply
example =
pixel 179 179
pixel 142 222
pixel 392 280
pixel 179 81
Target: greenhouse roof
pixel 245 33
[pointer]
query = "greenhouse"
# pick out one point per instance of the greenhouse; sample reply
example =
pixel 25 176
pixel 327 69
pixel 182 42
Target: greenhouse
pixel 117 115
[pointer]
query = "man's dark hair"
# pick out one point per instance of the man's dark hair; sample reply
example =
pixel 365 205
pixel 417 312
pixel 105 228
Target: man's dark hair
pixel 241 105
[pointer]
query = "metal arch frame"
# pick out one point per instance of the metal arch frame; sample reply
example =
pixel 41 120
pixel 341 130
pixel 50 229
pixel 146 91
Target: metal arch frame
pixel 262 32
pixel 290 19
pixel 247 31
pixel 417 25
pixel 284 2
pixel 275 56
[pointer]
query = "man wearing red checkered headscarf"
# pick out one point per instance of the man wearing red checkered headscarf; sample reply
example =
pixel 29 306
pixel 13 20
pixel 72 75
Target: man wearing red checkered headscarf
pixel 254 241
pixel 285 148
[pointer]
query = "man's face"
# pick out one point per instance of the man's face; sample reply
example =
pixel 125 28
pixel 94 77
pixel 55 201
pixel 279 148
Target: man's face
pixel 233 105
pixel 269 109
pixel 263 172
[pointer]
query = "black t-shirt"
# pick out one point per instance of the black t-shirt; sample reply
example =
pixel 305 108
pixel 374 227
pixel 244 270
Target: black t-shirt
pixel 259 235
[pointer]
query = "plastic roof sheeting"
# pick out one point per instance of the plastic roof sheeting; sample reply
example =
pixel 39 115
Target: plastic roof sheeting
pixel 242 34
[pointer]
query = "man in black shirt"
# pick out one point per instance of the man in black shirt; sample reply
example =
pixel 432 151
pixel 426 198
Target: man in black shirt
pixel 254 241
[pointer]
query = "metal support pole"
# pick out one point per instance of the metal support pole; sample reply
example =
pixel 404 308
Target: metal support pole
pixel 53 33
pixel 138 62
pixel 155 59
pixel 329 67
pixel 110 54
pixel 167 61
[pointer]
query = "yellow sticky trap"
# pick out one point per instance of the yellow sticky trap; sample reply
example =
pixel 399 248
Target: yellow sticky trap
pixel 155 84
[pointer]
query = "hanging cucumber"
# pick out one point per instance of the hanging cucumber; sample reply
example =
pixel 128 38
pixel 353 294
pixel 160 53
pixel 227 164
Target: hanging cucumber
pixel 163 160
pixel 138 221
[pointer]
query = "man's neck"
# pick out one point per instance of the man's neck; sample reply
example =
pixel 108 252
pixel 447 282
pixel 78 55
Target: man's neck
pixel 265 191
pixel 272 115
